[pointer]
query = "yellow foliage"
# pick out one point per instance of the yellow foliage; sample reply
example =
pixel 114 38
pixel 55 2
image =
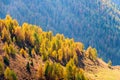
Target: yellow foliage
pixel 58 36
pixel 54 54
pixel 25 26
pixel 40 72
pixel 19 34
pixel 75 58
pixel 60 54
pixel 15 23
pixel 1 68
pixel 23 53
pixel 49 35
pixel 5 35
pixel 42 48
pixel 6 48
pixel 91 53
pixel 8 17
pixel 33 52
pixel 79 46
pixel 67 53
pixel 9 74
pixel 12 50
pixel 50 50
pixel 9 49
pixel 28 33
pixel 54 71
pixel 29 36
pixel 2 25
pixel 58 47
pixel 71 70
pixel 8 20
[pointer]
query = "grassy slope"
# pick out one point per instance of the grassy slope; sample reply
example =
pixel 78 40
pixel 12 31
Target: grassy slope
pixel 102 72
pixel 105 74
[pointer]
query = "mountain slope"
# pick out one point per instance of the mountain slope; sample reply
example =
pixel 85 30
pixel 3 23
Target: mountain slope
pixel 94 23
pixel 28 53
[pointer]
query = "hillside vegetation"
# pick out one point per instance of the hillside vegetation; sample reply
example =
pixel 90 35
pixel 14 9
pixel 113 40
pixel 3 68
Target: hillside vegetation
pixel 41 54
pixel 92 22
pixel 29 53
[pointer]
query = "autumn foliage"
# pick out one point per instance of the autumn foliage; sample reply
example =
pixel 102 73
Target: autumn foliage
pixel 59 54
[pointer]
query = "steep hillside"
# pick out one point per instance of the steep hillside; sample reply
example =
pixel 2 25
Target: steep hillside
pixel 29 53
pixel 94 23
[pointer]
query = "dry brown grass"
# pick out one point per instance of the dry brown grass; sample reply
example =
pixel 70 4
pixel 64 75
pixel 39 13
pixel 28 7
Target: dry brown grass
pixel 104 74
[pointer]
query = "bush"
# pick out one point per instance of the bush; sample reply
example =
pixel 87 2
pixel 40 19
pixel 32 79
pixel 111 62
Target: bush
pixel 20 36
pixel 79 46
pixel 6 48
pixel 70 70
pixel 91 53
pixel 80 75
pixel 54 55
pixel 10 49
pixel 33 53
pixel 40 72
pixel 60 55
pixel 6 35
pixel 73 72
pixel 53 71
pixel 1 68
pixel 2 26
pixel 10 74
pixel 23 53
pixel 109 63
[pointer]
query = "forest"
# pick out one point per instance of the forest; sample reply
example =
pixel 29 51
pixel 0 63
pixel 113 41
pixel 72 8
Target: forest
pixel 92 22
pixel 61 57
